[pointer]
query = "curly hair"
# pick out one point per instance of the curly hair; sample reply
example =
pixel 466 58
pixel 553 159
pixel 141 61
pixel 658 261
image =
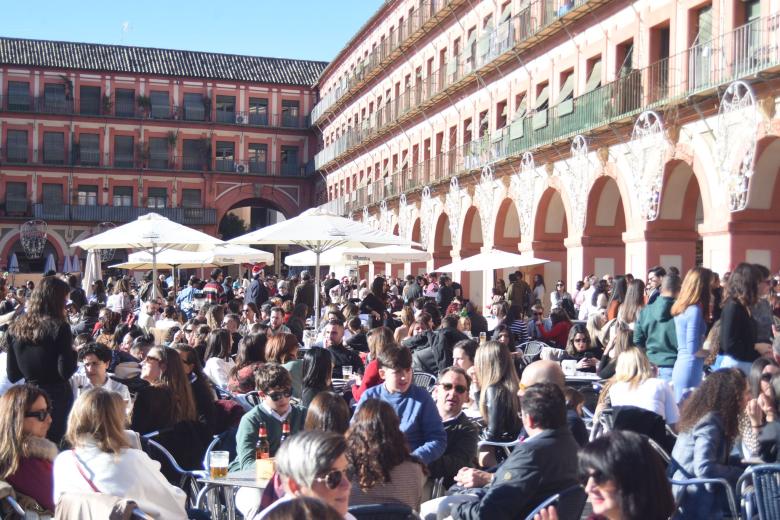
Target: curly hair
pixel 720 393
pixel 375 444
pixel 45 312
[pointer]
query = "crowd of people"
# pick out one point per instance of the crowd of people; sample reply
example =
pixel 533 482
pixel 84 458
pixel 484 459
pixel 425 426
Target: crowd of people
pixel 493 430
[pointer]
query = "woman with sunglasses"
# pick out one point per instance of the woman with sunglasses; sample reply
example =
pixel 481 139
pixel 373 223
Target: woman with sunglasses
pixel 616 490
pixel 580 349
pixel 249 316
pixel 381 467
pixel 26 456
pixel 40 349
pixel 762 406
pixel 202 391
pixel 102 460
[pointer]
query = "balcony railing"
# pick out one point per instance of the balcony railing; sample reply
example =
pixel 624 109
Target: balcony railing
pixel 743 52
pixel 16 207
pixel 95 213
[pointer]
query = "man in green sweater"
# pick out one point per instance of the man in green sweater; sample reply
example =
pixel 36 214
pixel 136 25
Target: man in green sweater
pixel 654 330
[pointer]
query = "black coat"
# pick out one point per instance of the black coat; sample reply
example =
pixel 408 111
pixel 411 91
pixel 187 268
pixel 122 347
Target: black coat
pixel 257 292
pixel 462 437
pixel 438 354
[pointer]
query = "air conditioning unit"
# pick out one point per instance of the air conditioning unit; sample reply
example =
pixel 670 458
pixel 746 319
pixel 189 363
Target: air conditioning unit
pixel 242 168
pixel 242 119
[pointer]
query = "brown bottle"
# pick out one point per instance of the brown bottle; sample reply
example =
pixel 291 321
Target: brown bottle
pixel 262 448
pixel 285 431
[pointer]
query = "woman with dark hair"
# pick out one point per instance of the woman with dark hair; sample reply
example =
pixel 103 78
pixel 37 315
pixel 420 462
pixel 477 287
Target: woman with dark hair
pixel 317 370
pixel 618 296
pixel 738 335
pixel 378 340
pixel 628 312
pixel 121 302
pixel 580 348
pixel 690 310
pixel 381 467
pixel 202 392
pixel 328 412
pixel 283 349
pixel 109 321
pixel 708 426
pixel 517 325
pixel 540 291
pixel 98 293
pixel 249 314
pixel 560 324
pixel 616 490
pixel 297 321
pixel 503 335
pixel 218 361
pixel 762 404
pixel 26 456
pixel 560 294
pixel 40 349
pixel 375 302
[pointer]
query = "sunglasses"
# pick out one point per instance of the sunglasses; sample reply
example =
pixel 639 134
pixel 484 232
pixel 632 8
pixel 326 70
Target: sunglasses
pixel 41 415
pixel 332 478
pixel 598 477
pixel 766 377
pixel 152 358
pixel 275 396
pixel 460 389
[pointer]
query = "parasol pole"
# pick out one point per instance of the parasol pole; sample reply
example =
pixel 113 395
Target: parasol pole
pixel 154 273
pixel 317 290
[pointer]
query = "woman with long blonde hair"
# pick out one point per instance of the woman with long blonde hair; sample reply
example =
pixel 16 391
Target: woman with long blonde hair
pixel 498 401
pixel 689 311
pixel 102 460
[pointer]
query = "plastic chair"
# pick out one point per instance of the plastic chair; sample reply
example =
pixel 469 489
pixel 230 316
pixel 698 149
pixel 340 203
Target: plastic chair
pixel 764 499
pixel 382 512
pixel 506 446
pixel 532 349
pixel 719 482
pixel 225 441
pixel 569 504
pixel 424 380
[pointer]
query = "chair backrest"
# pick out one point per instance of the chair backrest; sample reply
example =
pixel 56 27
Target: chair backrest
pixel 569 504
pixel 382 512
pixel 532 349
pixel 766 489
pixel 424 380
pixel 225 441
pixel 645 422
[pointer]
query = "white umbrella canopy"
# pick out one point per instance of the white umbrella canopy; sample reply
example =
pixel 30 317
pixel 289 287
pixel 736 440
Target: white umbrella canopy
pixel 318 230
pixel 13 264
pixel 493 259
pixel 91 271
pixel 223 254
pixel 335 256
pixel 387 254
pixel 50 265
pixel 152 233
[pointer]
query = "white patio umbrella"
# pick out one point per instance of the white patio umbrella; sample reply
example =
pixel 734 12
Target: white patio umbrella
pixel 335 256
pixel 319 231
pixel 50 264
pixel 493 259
pixel 66 266
pixel 92 271
pixel 222 254
pixel 13 268
pixel 388 254
pixel 75 264
pixel 151 233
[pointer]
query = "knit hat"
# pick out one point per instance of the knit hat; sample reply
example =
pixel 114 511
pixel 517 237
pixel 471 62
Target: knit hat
pixel 256 269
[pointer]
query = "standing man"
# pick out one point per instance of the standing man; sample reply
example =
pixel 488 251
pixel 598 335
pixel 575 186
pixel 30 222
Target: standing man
pixel 654 278
pixel 257 292
pixel 518 294
pixel 329 284
pixel 304 292
pixel 412 289
pixel 213 291
pixel 655 331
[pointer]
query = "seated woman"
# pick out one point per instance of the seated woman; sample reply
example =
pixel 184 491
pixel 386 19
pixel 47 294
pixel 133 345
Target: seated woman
pixel 708 427
pixel 202 391
pixel 498 400
pixel 580 349
pixel 251 354
pixel 635 385
pixel 558 333
pixel 381 467
pixel 762 405
pixel 283 349
pixel 328 412
pixel 218 361
pixel 405 329
pixel 763 416
pixel 618 343
pixel 102 461
pixel 463 354
pixel 517 325
pixel 317 370
pixel 378 340
pixel 421 335
pixel 616 490
pixel 26 457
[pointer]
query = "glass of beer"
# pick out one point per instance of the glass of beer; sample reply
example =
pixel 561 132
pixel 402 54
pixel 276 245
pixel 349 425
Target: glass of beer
pixel 218 464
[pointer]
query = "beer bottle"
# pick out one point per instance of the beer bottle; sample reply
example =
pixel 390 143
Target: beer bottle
pixel 262 448
pixel 285 431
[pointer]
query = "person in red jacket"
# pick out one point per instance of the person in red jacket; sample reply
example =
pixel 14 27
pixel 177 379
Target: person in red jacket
pixel 378 340
pixel 26 456
pixel 558 332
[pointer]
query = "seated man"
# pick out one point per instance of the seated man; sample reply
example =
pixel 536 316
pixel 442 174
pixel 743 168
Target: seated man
pixel 276 322
pixel 450 393
pixel 342 355
pixel 438 355
pixel 359 339
pixel 545 464
pixel 419 417
pixel 547 371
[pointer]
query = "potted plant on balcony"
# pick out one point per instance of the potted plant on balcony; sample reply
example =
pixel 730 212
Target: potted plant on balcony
pixel 107 104
pixel 145 104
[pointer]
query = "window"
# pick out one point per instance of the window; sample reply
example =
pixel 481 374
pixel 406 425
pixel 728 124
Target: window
pixel 594 76
pixel 54 148
pixel 226 109
pixel 16 197
pixel 157 198
pixel 89 149
pixel 193 156
pixel 158 152
pixel 89 101
pixel 124 105
pixel 225 156
pixel 566 94
pixel 258 111
pixel 87 195
pixel 54 98
pixel 258 158
pixel 290 114
pixel 190 198
pixel 501 114
pixel 52 194
pixel 123 151
pixel 123 196
pixel 160 105
pixel 18 95
pixel 290 164
pixel 542 102
pixel 194 107
pixel 16 146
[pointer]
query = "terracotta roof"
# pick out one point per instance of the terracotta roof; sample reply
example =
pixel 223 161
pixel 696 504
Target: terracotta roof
pixel 163 62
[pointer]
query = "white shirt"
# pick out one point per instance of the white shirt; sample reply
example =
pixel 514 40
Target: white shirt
pixel 129 474
pixel 218 370
pixel 81 383
pixel 652 394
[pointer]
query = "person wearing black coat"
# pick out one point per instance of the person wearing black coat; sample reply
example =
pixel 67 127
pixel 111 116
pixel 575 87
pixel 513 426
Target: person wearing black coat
pixel 257 292
pixel 437 355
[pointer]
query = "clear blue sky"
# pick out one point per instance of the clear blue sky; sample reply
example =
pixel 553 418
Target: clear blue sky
pixel 303 29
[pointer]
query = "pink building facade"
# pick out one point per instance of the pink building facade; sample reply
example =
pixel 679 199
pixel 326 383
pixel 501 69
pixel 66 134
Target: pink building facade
pixel 605 136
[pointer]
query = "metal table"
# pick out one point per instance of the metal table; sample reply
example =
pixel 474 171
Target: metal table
pixel 228 484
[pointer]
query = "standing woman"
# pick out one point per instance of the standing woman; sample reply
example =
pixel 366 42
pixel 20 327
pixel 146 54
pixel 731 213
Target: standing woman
pixel 559 294
pixel 121 302
pixel 618 296
pixel 40 350
pixel 689 311
pixel 375 302
pixel 737 328
pixel 628 312
pixel 540 291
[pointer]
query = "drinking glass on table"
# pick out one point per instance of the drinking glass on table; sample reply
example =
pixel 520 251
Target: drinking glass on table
pixel 218 464
pixel 346 371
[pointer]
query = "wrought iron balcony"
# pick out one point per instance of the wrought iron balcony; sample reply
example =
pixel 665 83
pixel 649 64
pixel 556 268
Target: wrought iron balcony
pixel 96 213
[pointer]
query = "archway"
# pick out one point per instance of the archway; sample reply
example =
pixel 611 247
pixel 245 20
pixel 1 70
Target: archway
pixel 248 215
pixel 604 251
pixel 33 265
pixel 442 241
pixel 550 230
pixel 506 233
pixel 471 244
pixel 417 267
